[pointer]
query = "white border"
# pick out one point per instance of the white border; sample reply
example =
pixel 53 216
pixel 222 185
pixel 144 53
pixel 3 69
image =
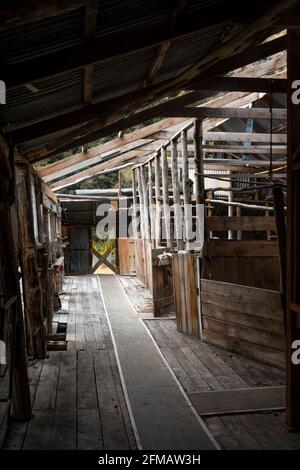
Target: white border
pixel 199 419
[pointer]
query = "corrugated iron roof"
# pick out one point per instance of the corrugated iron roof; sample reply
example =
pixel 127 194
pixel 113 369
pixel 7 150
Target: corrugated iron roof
pixel 64 93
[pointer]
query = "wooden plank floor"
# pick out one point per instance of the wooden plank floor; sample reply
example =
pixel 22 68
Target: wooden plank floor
pixel 139 295
pixel 162 415
pixel 202 368
pixel 78 401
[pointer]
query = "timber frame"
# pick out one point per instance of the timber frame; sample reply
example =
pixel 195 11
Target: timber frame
pixel 198 104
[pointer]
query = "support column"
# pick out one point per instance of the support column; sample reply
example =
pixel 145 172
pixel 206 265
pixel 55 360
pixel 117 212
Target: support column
pixel 157 202
pixel 166 198
pixel 141 203
pixel 9 286
pixel 134 206
pixel 176 196
pixel 146 205
pixel 199 173
pixel 151 202
pixel 198 158
pixel 186 187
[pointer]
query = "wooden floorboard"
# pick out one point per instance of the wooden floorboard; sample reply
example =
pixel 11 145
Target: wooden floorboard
pixel 139 295
pixel 252 430
pixel 239 400
pixel 78 400
pixel 77 395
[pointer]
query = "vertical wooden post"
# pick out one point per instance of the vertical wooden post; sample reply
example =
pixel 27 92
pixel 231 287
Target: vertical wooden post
pixel 199 171
pixel 210 195
pixel 281 237
pixel 166 198
pixel 120 180
pixel 238 214
pixel 9 285
pixel 157 202
pixel 151 202
pixel 146 205
pixel 230 214
pixel 187 199
pixel 134 205
pixel 198 158
pixel 141 204
pixel 176 196
pixel 293 230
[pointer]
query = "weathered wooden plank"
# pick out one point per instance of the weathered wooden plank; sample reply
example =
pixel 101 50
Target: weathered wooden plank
pixel 244 137
pixel 222 434
pixel 39 431
pixel 221 312
pixel 64 423
pixel 89 436
pixel 113 429
pixel 242 333
pixel 86 385
pixel 203 112
pixel 46 392
pixel 259 353
pixel 263 302
pixel 238 401
pixel 221 223
pixel 261 249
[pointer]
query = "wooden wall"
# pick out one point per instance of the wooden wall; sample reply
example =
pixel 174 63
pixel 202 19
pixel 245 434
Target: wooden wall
pixel 185 293
pixel 246 262
pixel 126 247
pixel 156 277
pixel 245 320
pixel 143 257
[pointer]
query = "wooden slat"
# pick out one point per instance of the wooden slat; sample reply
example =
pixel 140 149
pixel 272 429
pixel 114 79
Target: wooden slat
pixel 203 112
pixel 46 392
pixel 113 429
pixel 264 303
pixel 260 353
pixel 238 401
pixel 64 424
pixel 241 333
pixel 215 308
pixel 221 224
pixel 244 137
pixel 250 248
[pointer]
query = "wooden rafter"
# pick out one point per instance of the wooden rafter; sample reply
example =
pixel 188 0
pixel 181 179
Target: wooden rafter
pixel 92 131
pixel 229 113
pixel 209 61
pixel 16 13
pixel 90 24
pixel 164 47
pixel 115 46
pixel 137 138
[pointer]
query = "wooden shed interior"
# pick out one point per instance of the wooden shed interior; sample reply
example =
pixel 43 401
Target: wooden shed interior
pixel 181 329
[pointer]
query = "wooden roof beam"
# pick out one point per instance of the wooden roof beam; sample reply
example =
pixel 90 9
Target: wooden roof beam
pixel 91 131
pixel 90 24
pixel 240 83
pixel 202 112
pixel 164 47
pixel 132 159
pixel 15 13
pixel 137 138
pixel 121 44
